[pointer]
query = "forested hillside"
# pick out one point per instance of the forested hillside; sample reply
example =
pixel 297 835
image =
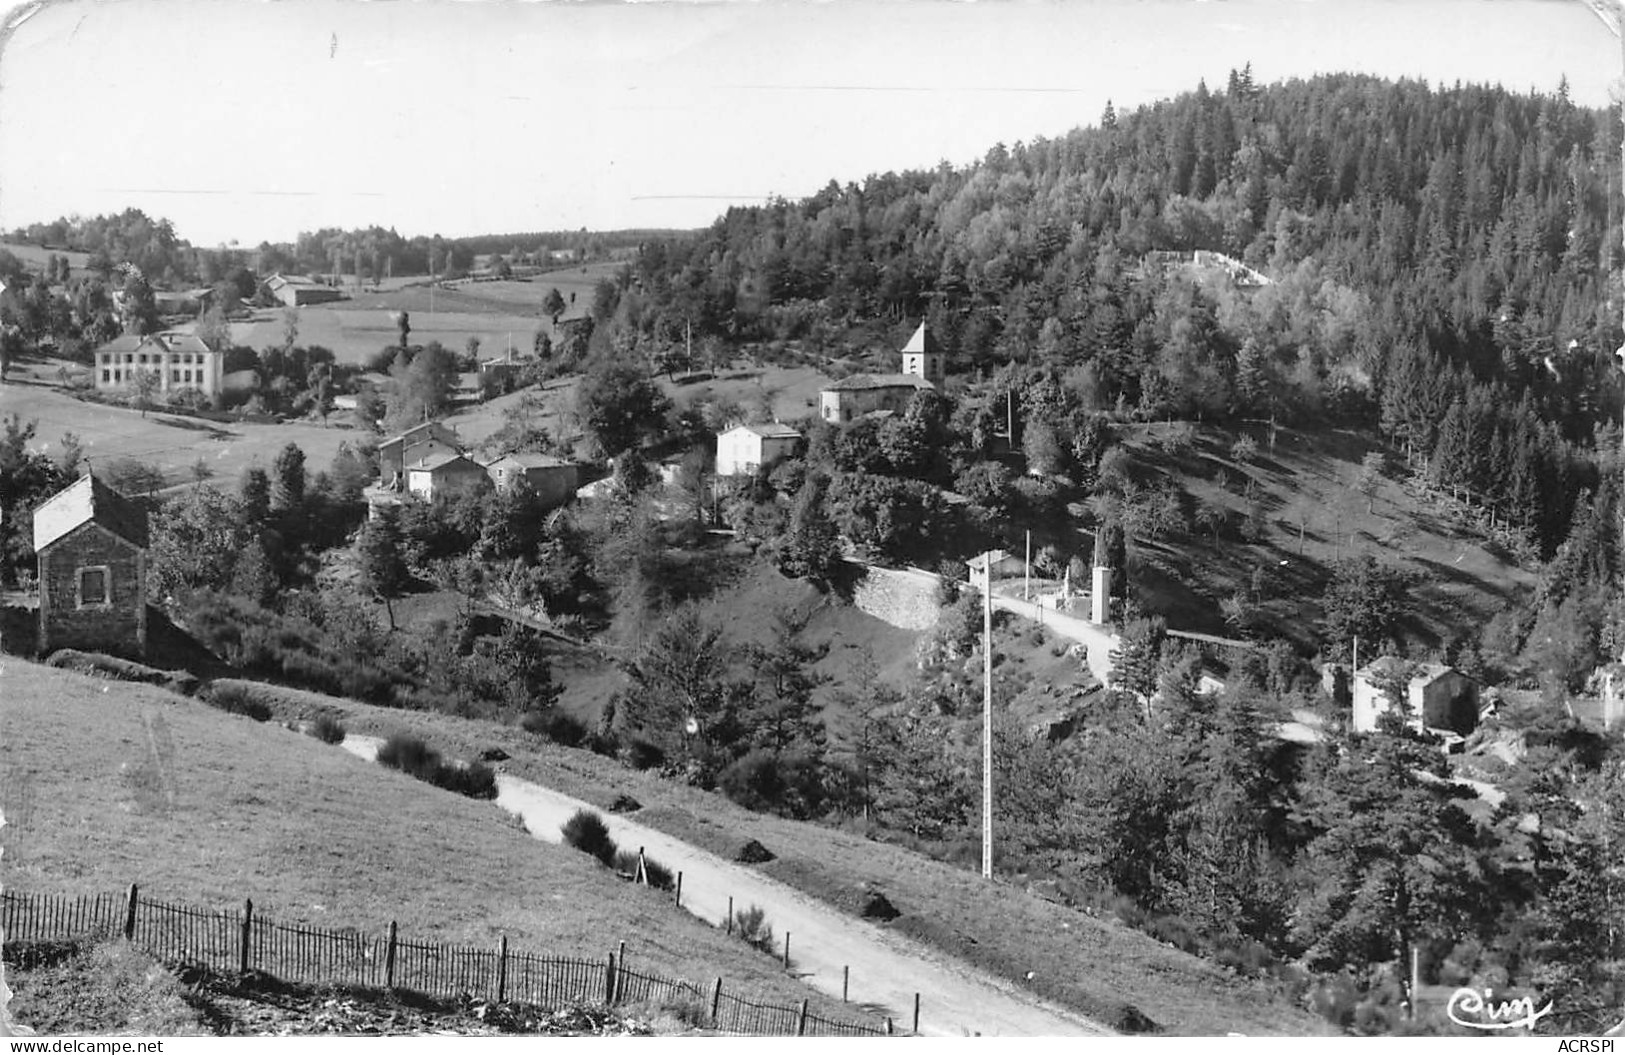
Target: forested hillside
pixel 1428 249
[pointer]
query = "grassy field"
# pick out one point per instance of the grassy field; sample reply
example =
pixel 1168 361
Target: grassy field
pixel 172 442
pixel 1313 515
pixel 107 783
pixel 1088 963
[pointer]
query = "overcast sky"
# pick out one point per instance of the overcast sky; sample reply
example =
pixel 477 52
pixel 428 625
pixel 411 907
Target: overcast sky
pixel 249 120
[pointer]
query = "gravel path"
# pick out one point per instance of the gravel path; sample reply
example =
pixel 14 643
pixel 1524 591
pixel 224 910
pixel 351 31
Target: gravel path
pixel 886 970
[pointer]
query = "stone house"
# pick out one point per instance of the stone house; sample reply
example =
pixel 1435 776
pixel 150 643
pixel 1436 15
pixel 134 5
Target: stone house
pixel 444 473
pixel 746 448
pixel 1437 697
pixel 414 445
pixel 553 479
pixel 92 548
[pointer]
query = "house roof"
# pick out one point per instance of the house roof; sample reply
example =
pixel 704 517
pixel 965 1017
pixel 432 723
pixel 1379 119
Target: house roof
pixel 1426 673
pixel 439 431
pixel 530 460
pixel 168 341
pixel 994 556
pixel 870 382
pixel 87 500
pixel 773 431
pixel 439 460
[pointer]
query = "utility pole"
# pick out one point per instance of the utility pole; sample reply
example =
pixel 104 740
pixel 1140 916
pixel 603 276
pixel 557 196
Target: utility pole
pixel 987 720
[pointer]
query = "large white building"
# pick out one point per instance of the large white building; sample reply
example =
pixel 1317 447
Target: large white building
pixel 176 361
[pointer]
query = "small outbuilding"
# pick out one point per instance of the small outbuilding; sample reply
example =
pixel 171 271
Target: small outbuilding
pixel 92 547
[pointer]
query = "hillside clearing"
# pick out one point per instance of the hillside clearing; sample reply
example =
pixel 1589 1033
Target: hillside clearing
pixel 204 808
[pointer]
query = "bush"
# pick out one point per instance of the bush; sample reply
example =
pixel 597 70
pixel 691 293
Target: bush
pixel 587 832
pixel 410 755
pixel 327 729
pixel 475 780
pixel 641 754
pixel 660 877
pixel 563 729
pixel 235 700
pixel 752 927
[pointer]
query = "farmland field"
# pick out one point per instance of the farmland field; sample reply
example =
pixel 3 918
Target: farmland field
pixel 172 442
pixel 495 312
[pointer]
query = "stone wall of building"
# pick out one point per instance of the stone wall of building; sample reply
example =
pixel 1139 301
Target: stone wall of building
pixel 118 627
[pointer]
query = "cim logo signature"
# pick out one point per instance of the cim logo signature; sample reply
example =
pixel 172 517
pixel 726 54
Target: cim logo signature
pixel 1469 1008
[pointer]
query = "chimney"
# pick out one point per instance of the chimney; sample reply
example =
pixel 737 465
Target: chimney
pixel 1100 596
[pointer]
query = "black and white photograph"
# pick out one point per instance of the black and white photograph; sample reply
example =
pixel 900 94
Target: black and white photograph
pixel 812 518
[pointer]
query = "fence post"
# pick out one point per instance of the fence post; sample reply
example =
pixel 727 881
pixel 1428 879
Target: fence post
pixel 846 976
pixel 620 969
pixel 389 958
pixel 679 889
pixel 786 950
pixel 888 1025
pixel 643 869
pixel 129 913
pixel 502 970
pixel 801 1022
pixel 730 913
pixel 716 1000
pixel 609 980
pixel 916 1013
pixel 248 922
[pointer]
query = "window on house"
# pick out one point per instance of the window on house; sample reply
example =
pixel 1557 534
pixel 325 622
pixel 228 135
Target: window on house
pixel 93 587
pixel 174 376
pixel 107 375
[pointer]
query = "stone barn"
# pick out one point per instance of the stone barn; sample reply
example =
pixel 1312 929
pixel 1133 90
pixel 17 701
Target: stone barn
pixel 92 547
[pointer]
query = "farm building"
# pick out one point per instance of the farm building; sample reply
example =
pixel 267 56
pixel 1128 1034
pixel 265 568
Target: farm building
pixel 182 301
pixel 1437 697
pixel 746 448
pixel 443 473
pixel 413 445
pixel 552 479
pixel 176 360
pixel 499 376
pixel 92 547
pixel 297 290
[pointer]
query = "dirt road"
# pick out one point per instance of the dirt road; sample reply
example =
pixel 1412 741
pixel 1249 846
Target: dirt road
pixel 886 969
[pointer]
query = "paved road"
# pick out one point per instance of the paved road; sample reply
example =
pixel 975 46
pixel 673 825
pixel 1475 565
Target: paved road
pixel 886 969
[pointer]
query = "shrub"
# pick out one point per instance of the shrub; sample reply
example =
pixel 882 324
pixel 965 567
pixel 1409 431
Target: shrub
pixel 475 780
pixel 604 743
pixel 752 927
pixel 235 700
pixel 587 832
pixel 327 729
pixel 563 729
pixel 641 754
pixel 660 877
pixel 410 755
